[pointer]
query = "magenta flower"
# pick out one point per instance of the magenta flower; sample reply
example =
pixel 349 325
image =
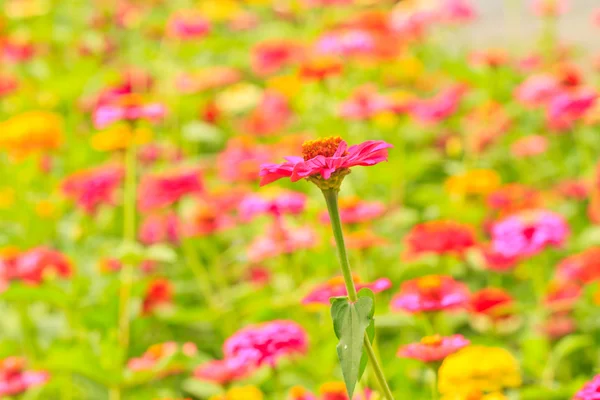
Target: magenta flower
pixel 335 288
pixel 128 108
pixel 431 293
pixel 537 90
pixel 280 239
pixel 528 233
pixel 14 379
pixel 283 203
pixel 590 391
pixel 433 348
pixel 324 157
pixel 164 189
pixel 439 107
pixel 266 344
pixel 90 188
pixel 187 25
pixel 566 108
pixel 457 11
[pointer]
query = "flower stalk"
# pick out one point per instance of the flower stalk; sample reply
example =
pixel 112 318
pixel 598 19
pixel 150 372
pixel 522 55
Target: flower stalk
pixel 331 198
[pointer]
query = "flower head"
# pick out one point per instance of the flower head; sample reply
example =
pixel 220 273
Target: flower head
pixel 474 182
pixel 90 188
pixel 14 379
pixel 128 108
pixel 326 161
pixel 276 205
pixel 439 237
pixel 528 233
pixel 221 371
pixel 31 132
pixel 187 25
pixel 583 267
pixel 336 288
pixel 162 356
pixel 431 293
pixel 164 189
pixel 158 293
pixel 241 159
pixel 433 348
pixel 590 390
pixel 281 239
pixel 479 368
pixel 492 302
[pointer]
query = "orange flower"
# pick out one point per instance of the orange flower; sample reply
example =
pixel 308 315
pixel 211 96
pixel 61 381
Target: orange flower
pixel 120 137
pixel 31 132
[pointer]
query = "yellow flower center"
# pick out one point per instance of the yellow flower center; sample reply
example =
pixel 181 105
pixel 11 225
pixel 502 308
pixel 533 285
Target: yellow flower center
pixel 433 340
pixel 429 282
pixel 325 147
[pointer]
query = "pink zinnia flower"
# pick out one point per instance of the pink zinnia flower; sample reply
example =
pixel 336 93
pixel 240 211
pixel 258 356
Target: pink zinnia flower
pixel 439 107
pixel 207 217
pixel 457 11
pixel 161 190
pixel 528 233
pixel 537 90
pixel 271 116
pixel 159 228
pixel 590 391
pixel 276 205
pixel 335 288
pixel 271 56
pixel 346 43
pixel 266 343
pixel 187 25
pixel 32 265
pixel 568 107
pixel 562 296
pixel 92 187
pixel 582 267
pixel 14 379
pixel 439 237
pixel 280 239
pixel 431 293
pixel 498 262
pixel 241 159
pixel 365 103
pixel 128 108
pixel 433 348
pixel 323 157
pixel 353 210
pixel 221 372
pixel 573 189
pixel 529 146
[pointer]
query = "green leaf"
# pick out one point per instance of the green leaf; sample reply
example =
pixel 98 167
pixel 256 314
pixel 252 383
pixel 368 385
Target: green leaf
pixel 162 253
pixel 350 322
pixel 366 292
pixel 131 253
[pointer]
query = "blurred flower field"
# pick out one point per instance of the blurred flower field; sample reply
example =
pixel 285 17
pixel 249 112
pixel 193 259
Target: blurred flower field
pixel 296 200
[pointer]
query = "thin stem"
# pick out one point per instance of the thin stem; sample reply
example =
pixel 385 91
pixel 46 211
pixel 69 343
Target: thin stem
pixel 28 332
pixel 433 385
pixel 331 198
pixel 200 273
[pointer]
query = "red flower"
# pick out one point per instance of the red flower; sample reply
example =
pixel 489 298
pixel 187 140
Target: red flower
pixel 562 296
pixel 271 56
pixel 512 198
pixel 271 116
pixel 207 217
pixel 14 379
pixel 241 159
pixel 431 293
pixel 495 261
pixel 573 189
pixel 439 107
pixel 187 25
pixel 160 292
pixel 583 267
pixel 164 189
pixel 335 288
pixel 433 348
pixel 320 68
pixel 157 228
pixel 439 237
pixel 323 157
pixel 92 187
pixel 33 265
pixel 222 372
pixel 492 302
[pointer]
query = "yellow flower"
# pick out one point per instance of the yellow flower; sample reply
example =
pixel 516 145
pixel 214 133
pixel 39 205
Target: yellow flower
pixel 20 9
pixel 476 395
pixel 238 98
pixel 221 10
pixel 120 137
pixel 287 85
pixel 7 198
pixel 31 132
pixel 474 182
pixel 45 209
pixel 241 393
pixel 478 369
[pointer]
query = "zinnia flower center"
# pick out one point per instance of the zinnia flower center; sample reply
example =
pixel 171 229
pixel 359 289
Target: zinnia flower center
pixel 429 283
pixel 325 147
pixel 433 340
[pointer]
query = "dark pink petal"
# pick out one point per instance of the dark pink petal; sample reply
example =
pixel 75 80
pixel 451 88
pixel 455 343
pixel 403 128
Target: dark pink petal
pixel 370 152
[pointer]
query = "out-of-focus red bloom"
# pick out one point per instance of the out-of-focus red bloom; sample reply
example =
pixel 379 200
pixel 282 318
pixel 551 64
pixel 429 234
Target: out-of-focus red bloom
pixel 495 303
pixel 431 293
pixel 155 152
pixel 259 276
pixel 132 80
pixel 272 114
pixel 187 25
pixel 266 343
pixel 433 348
pixel 320 67
pixel 562 296
pixel 589 391
pixel 337 391
pixel 221 372
pixel 364 239
pixel 335 287
pixel 583 267
pixel 491 58
pixel 573 189
pixel 439 107
pixel 365 103
pixel 271 56
pixel 275 204
pixel 90 188
pixel 33 265
pixel 14 379
pixel 495 261
pixel 457 11
pixel 439 237
pixel 16 51
pixel 166 188
pixel 353 210
pixel 529 232
pixel 158 354
pixel 128 108
pixel 206 218
pixel 241 159
pixel 537 90
pixel 529 146
pixel 324 157
pixel 485 124
pixel 158 293
pixel 207 78
pixel 159 228
pixel 549 8
pixel 558 325
pixel 568 107
pixel 280 239
pixel 8 85
pixel 512 198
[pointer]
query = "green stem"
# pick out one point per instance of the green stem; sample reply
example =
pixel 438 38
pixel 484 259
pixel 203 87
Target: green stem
pixel 28 332
pixel 200 273
pixel 126 277
pixel 433 385
pixel 331 198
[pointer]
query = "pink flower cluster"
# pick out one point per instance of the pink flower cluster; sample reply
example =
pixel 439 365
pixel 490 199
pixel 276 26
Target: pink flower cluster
pixel 33 265
pixel 14 379
pixel 93 187
pixel 282 203
pixel 433 348
pixel 161 190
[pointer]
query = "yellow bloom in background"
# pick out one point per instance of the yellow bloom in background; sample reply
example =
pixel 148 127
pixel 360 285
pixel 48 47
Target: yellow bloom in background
pixel 478 369
pixel 120 137
pixel 220 10
pixel 45 209
pixel 238 98
pixel 241 393
pixel 287 85
pixel 30 132
pixel 7 198
pixel 19 9
pixel 476 395
pixel 474 182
